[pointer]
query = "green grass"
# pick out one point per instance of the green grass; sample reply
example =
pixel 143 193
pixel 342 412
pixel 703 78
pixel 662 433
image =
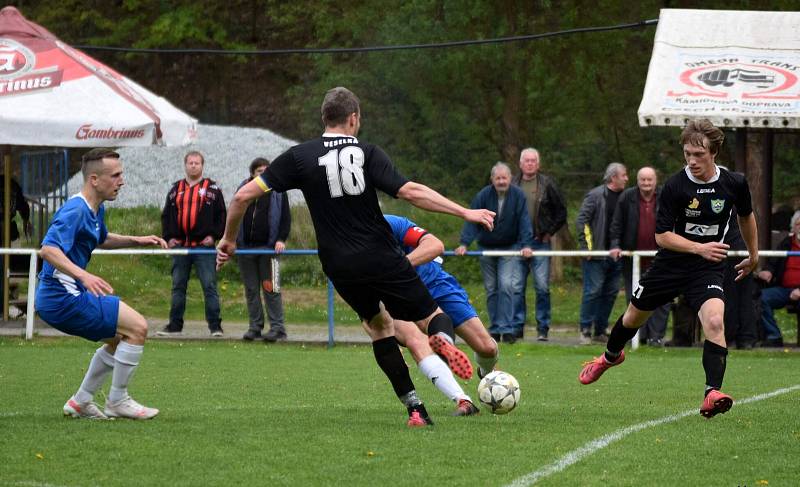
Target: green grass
pixel 240 414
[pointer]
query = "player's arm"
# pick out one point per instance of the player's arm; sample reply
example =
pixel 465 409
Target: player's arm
pixel 56 257
pixel 713 251
pixel 428 248
pixel 749 228
pixel 426 198
pixel 116 241
pixel 241 200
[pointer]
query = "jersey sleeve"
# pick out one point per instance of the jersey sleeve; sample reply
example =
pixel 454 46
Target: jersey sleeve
pixel 103 228
pixel 743 202
pixel 383 174
pixel 281 175
pixel 63 229
pixel 668 208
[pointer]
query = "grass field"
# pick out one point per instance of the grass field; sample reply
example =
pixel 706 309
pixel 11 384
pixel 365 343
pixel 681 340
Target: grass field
pixel 241 414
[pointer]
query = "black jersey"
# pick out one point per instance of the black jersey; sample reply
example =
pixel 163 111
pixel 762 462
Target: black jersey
pixel 700 211
pixel 338 176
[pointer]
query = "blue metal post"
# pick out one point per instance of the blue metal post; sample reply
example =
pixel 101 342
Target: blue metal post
pixel 330 314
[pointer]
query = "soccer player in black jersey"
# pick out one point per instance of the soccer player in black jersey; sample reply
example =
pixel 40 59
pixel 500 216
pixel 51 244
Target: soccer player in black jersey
pixel 694 209
pixel 339 176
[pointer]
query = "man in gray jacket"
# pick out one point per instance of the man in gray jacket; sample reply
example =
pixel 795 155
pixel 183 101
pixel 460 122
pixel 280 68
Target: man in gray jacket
pixel 601 275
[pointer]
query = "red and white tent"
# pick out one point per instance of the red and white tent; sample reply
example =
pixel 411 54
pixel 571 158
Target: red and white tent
pixel 54 95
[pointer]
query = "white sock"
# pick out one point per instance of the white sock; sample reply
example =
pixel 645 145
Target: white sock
pixel 446 337
pixel 126 359
pixel 486 363
pixel 100 366
pixel 437 371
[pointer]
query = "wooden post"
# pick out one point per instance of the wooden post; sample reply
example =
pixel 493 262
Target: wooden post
pixel 758 169
pixel 6 224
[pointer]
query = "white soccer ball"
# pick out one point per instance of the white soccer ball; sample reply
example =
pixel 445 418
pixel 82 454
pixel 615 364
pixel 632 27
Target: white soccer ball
pixel 499 391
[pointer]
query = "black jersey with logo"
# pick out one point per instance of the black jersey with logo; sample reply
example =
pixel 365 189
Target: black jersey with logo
pixel 700 211
pixel 338 176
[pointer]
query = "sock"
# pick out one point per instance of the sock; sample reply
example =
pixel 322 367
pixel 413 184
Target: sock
pixel 100 366
pixel 617 340
pixel 486 364
pixel 125 361
pixel 714 361
pixel 443 325
pixel 390 360
pixel 437 371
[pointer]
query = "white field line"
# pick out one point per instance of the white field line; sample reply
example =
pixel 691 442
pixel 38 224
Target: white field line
pixel 597 444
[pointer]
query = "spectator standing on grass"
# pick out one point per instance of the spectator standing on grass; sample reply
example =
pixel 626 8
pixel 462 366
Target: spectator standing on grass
pixel 634 228
pixel 782 277
pixel 548 214
pixel 193 218
pixel 601 275
pixel 78 303
pixel 339 176
pixel 18 205
pixel 503 277
pixel 265 225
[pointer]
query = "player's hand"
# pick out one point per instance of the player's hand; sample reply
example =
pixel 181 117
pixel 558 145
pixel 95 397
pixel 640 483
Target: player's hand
pixel 484 218
pixel 151 240
pixel 765 276
pixel 714 251
pixel 526 252
pixel 614 254
pixel 173 242
pixel 460 250
pixel 745 267
pixel 279 247
pixel 208 241
pixel 96 285
pixel 225 249
pixel 795 294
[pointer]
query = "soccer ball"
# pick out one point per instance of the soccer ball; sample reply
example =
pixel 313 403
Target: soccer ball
pixel 499 391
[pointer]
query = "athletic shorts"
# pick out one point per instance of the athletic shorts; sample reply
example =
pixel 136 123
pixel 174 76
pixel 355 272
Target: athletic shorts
pixel 87 316
pixel 452 298
pixel 665 280
pixel 402 293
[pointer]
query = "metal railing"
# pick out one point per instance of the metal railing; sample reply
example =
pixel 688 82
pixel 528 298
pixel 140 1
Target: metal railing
pixel 636 255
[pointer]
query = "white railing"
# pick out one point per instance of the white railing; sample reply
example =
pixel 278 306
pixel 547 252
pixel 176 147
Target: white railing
pixel 636 255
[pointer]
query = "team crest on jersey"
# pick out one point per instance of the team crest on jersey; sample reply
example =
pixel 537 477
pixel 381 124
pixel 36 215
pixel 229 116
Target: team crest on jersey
pixel 717 205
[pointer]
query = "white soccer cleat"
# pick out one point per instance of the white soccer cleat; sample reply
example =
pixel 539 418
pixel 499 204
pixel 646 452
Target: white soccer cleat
pixel 88 410
pixel 128 408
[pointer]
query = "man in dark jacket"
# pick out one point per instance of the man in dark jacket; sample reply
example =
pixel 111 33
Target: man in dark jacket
pixel 782 275
pixel 634 228
pixel 548 214
pixel 502 276
pixel 265 225
pixel 193 217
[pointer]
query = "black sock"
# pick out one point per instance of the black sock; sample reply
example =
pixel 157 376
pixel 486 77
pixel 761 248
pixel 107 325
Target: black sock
pixel 442 323
pixel 617 340
pixel 714 361
pixel 390 360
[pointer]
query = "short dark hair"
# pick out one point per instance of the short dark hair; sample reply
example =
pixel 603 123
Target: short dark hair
pixel 339 103
pixel 258 162
pixel 195 153
pixel 92 160
pixel 697 132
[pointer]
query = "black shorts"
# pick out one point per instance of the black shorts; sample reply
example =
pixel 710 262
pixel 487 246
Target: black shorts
pixel 666 279
pixel 402 293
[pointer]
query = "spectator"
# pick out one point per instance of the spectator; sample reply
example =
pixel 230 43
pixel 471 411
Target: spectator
pixel 18 205
pixel 600 274
pixel 193 216
pixel 740 316
pixel 634 228
pixel 265 225
pixel 548 214
pixel 502 276
pixel 782 275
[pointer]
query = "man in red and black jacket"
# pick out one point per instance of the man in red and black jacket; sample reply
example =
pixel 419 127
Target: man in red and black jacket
pixel 193 217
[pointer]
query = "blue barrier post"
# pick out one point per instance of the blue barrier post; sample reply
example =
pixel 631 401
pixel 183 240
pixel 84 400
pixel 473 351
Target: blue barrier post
pixel 330 314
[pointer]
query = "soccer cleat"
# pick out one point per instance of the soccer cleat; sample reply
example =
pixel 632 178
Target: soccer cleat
pixel 593 369
pixel 128 408
pixel 455 358
pixel 418 417
pixel 88 410
pixel 716 402
pixel 466 408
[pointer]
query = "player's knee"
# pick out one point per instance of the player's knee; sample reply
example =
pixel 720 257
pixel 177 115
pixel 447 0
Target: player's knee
pixel 137 328
pixel 715 323
pixel 487 347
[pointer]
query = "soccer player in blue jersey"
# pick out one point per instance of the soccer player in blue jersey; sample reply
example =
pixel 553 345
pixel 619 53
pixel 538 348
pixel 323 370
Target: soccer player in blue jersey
pixel 79 303
pixel 423 249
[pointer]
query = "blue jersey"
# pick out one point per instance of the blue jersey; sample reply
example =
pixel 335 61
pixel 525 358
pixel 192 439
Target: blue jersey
pixel 408 235
pixel 77 231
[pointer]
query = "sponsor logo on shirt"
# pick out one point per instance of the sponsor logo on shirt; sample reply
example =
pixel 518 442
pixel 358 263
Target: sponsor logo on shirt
pixel 702 230
pixel 705 190
pixel 717 205
pixel 692 211
pixel 714 286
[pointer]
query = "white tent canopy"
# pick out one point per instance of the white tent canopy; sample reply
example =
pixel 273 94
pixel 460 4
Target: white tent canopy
pixel 736 68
